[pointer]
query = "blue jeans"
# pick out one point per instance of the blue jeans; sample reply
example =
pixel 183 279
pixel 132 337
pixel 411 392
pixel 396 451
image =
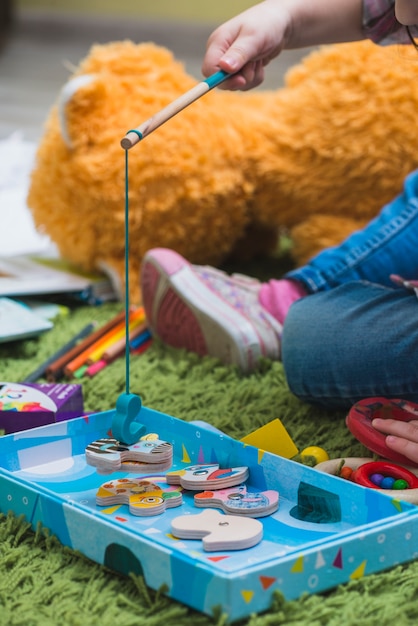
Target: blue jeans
pixel 356 336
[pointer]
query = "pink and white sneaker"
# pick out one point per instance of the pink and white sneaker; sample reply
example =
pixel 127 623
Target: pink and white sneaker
pixel 203 310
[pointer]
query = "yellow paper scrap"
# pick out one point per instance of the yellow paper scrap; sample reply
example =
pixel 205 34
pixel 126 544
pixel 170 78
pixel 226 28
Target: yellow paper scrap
pixel 274 438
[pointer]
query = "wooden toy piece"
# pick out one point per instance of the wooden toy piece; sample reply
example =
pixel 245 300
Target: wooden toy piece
pixel 132 466
pixel 197 477
pixel 335 467
pixel 149 437
pixel 218 531
pixel 319 454
pixel 109 455
pixel 346 472
pixel 239 501
pixel 144 498
pixel 359 422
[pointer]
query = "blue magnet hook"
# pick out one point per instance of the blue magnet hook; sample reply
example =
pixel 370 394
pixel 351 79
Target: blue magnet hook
pixel 125 428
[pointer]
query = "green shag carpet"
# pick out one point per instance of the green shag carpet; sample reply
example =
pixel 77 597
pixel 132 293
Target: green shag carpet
pixel 43 583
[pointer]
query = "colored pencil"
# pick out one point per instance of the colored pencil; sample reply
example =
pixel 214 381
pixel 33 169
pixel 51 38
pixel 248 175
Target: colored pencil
pixel 56 369
pixel 138 341
pixel 113 354
pixel 95 368
pixel 118 348
pixel 79 373
pixel 81 359
pixel 66 349
pixel 115 335
pixel 143 347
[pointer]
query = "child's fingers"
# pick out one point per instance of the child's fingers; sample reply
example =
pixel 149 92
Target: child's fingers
pixel 402 437
pixel 398 428
pixel 407 448
pixel 253 74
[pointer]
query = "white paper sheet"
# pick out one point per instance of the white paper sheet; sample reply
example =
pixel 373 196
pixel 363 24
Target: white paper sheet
pixel 18 234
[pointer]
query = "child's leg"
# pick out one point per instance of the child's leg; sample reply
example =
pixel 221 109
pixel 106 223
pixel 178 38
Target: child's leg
pixel 238 321
pixel 355 341
pixel 387 245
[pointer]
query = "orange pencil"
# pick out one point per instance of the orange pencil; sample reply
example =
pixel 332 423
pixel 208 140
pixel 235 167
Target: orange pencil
pixel 81 359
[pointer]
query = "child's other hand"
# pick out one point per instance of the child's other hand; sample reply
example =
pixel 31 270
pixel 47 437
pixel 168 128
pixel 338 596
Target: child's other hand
pixel 245 44
pixel 402 437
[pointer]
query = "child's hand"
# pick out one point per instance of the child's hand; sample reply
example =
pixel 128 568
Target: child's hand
pixel 244 45
pixel 402 437
pixel 247 43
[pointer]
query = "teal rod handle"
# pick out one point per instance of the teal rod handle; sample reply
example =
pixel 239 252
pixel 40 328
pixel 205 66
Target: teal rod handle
pixel 216 79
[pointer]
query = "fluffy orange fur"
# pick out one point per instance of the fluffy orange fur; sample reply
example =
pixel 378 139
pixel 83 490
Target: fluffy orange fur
pixel 318 157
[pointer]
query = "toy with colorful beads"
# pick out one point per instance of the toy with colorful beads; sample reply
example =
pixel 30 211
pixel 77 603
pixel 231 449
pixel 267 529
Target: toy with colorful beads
pixel 368 473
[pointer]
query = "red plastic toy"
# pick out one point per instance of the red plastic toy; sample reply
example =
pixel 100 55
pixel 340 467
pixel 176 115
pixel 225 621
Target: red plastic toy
pixel 359 422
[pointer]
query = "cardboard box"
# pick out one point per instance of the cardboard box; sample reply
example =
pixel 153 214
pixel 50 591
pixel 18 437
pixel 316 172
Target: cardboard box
pixel 326 532
pixel 29 405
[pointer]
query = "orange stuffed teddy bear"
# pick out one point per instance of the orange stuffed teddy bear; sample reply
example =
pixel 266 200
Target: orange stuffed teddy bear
pixel 317 158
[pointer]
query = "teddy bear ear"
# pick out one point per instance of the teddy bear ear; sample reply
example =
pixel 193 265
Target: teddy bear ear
pixel 75 95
